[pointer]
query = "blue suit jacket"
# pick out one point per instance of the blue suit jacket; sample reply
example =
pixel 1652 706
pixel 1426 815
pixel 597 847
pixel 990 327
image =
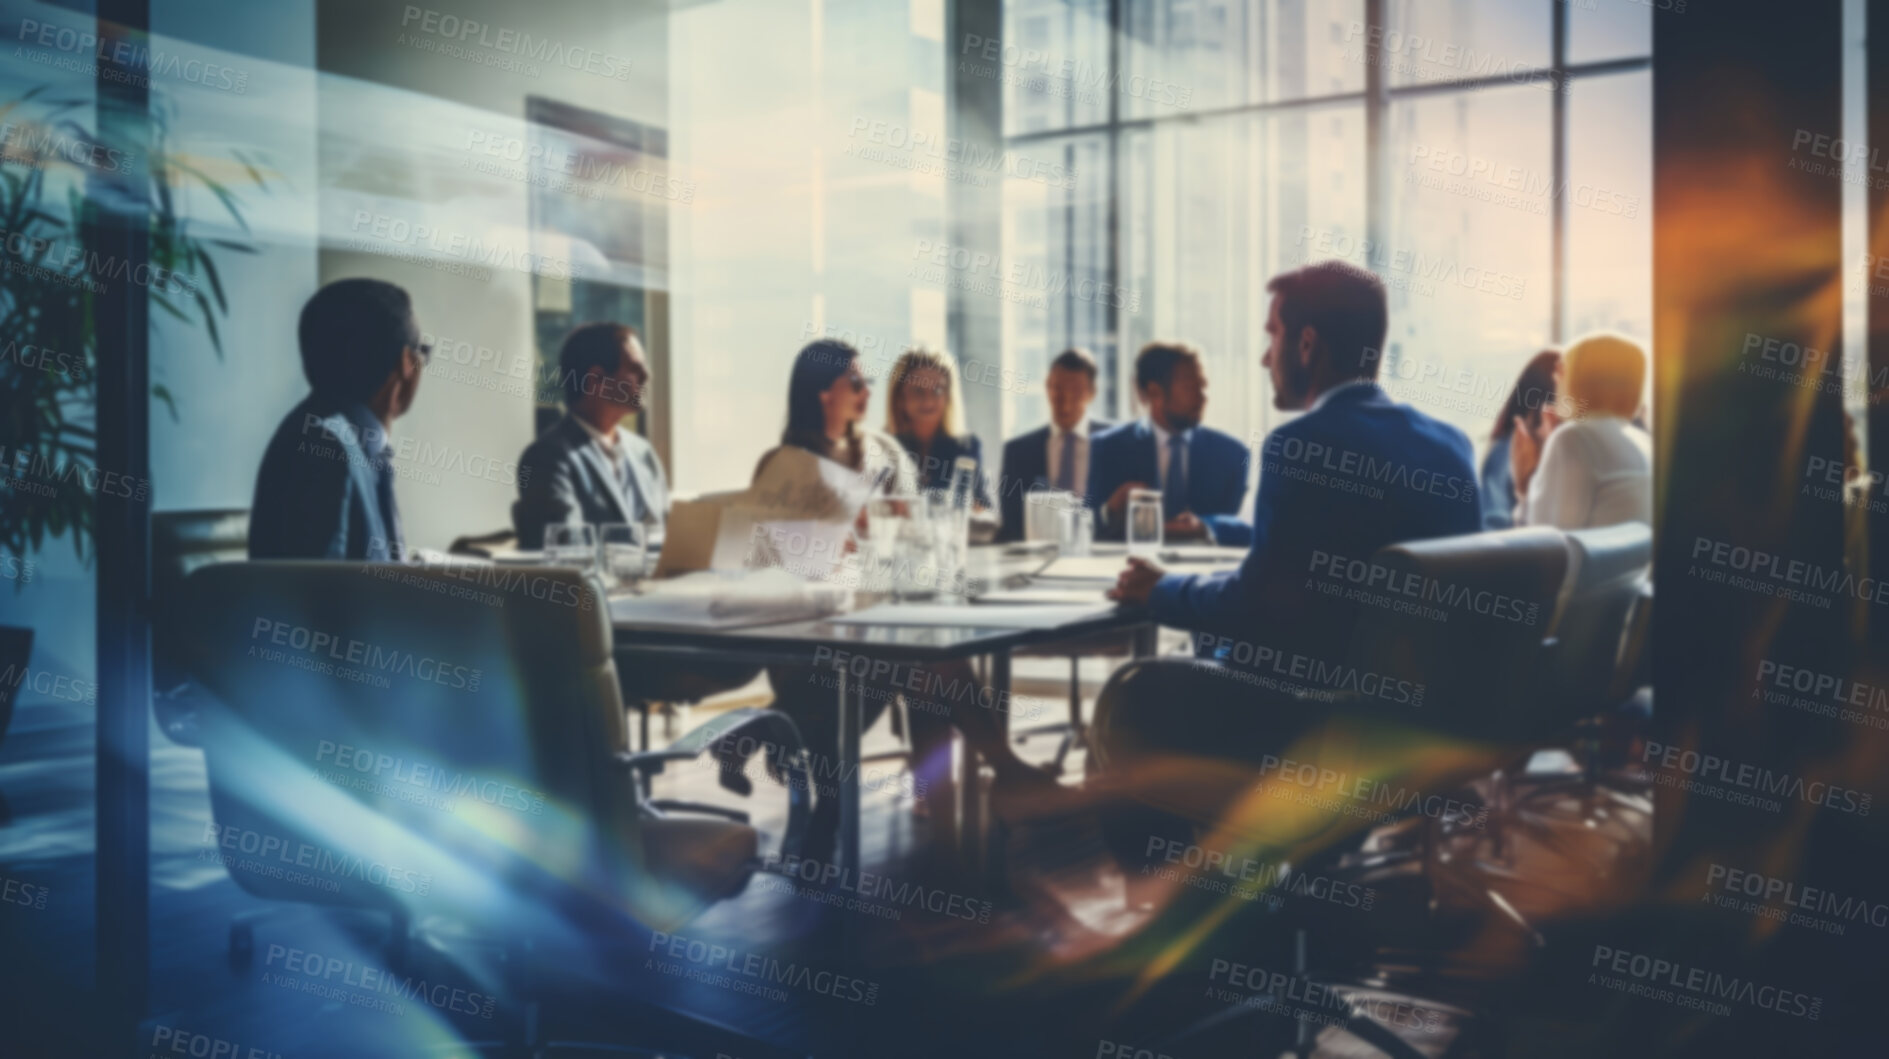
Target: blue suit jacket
pixel 1216 476
pixel 317 492
pixel 1026 467
pixel 1358 473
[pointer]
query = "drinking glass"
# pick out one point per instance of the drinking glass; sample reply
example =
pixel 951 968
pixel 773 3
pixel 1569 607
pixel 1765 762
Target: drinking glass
pixel 571 544
pixel 1144 522
pixel 950 541
pixel 888 519
pixel 1043 513
pixel 1076 530
pixel 624 550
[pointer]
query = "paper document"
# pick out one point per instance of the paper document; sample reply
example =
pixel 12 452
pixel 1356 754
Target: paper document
pixel 728 599
pixel 960 615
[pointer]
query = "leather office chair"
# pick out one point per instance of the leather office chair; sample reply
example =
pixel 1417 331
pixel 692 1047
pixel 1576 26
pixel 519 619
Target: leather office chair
pixel 181 542
pixel 1605 584
pixel 486 775
pixel 1478 668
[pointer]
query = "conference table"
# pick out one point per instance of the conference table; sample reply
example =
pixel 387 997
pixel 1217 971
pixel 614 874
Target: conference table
pixel 909 638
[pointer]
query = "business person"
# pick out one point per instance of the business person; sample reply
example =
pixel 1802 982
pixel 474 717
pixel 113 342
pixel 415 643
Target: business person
pixel 1531 403
pixel 1200 471
pixel 1054 456
pixel 1356 472
pixel 922 411
pixel 827 397
pixel 325 489
pixel 589 467
pixel 1596 469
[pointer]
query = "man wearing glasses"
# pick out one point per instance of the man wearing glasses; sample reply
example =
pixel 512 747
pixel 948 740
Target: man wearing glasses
pixel 589 467
pixel 326 486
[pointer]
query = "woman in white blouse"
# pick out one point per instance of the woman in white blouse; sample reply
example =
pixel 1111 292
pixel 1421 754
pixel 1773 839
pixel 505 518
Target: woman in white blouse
pixel 1596 468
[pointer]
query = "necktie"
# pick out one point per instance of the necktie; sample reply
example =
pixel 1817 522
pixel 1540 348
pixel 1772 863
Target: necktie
pixel 1174 491
pixel 1066 469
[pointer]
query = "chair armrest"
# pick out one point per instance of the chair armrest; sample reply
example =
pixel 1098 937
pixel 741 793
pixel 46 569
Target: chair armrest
pixel 771 728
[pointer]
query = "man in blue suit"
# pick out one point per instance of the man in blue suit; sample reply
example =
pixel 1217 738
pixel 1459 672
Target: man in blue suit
pixel 1200 471
pixel 326 486
pixel 1355 473
pixel 1055 456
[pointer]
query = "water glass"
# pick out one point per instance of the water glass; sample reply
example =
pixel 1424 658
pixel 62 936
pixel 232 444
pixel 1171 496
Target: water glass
pixel 571 544
pixel 1145 522
pixel 625 553
pixel 950 541
pixel 1044 513
pixel 1076 530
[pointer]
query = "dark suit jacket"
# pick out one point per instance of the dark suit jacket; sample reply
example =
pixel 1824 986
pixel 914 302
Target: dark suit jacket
pixel 935 468
pixel 1216 476
pixel 1026 467
pixel 318 492
pixel 565 476
pixel 1357 474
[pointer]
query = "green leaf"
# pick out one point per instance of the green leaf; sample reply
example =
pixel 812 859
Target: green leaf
pixel 163 393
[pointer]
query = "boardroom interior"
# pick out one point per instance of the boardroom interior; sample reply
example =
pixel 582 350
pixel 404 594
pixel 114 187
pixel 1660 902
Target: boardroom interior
pixel 1000 180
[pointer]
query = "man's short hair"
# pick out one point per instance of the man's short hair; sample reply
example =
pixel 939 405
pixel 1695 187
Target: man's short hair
pixel 351 333
pixel 1345 304
pixel 1158 359
pixel 598 345
pixel 1075 358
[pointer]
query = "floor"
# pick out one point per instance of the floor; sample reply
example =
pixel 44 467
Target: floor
pixel 1045 957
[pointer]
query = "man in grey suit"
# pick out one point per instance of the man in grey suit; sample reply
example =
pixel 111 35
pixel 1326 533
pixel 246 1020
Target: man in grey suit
pixel 588 467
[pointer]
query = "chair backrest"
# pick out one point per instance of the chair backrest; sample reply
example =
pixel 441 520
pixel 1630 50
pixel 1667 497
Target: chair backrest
pixel 1465 617
pixel 436 737
pixel 182 541
pixel 1609 565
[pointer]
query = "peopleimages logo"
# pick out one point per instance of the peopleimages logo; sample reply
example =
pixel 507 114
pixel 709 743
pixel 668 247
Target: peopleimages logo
pixel 754 972
pixel 1747 784
pixel 1822 694
pixel 1801 905
pixel 466 31
pixel 1774 575
pixel 169 1040
pixel 322 649
pixel 1694 987
pixel 124 58
pixel 1415 589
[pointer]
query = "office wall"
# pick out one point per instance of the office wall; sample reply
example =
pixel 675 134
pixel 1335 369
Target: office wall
pixel 408 98
pixel 795 123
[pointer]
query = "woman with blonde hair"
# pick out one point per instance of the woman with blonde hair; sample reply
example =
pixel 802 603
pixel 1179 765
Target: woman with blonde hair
pixel 922 411
pixel 1596 467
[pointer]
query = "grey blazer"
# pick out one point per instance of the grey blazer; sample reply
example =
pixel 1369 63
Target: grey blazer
pixel 566 476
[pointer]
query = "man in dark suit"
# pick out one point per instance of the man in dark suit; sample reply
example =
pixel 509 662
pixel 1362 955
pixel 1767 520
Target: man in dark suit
pixel 326 486
pixel 588 467
pixel 1055 456
pixel 1200 471
pixel 1355 473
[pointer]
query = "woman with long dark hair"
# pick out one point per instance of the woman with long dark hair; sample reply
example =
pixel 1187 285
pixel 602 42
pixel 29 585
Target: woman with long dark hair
pixel 827 396
pixel 1532 398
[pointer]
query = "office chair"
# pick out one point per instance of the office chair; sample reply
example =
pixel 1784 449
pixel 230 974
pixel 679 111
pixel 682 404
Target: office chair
pixel 469 758
pixel 1477 668
pixel 181 542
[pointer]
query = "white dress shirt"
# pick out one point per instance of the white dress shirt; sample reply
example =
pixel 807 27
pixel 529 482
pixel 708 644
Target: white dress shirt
pixel 1595 471
pixel 609 442
pixel 1055 464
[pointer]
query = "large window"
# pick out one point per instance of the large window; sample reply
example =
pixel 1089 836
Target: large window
pixel 1491 160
